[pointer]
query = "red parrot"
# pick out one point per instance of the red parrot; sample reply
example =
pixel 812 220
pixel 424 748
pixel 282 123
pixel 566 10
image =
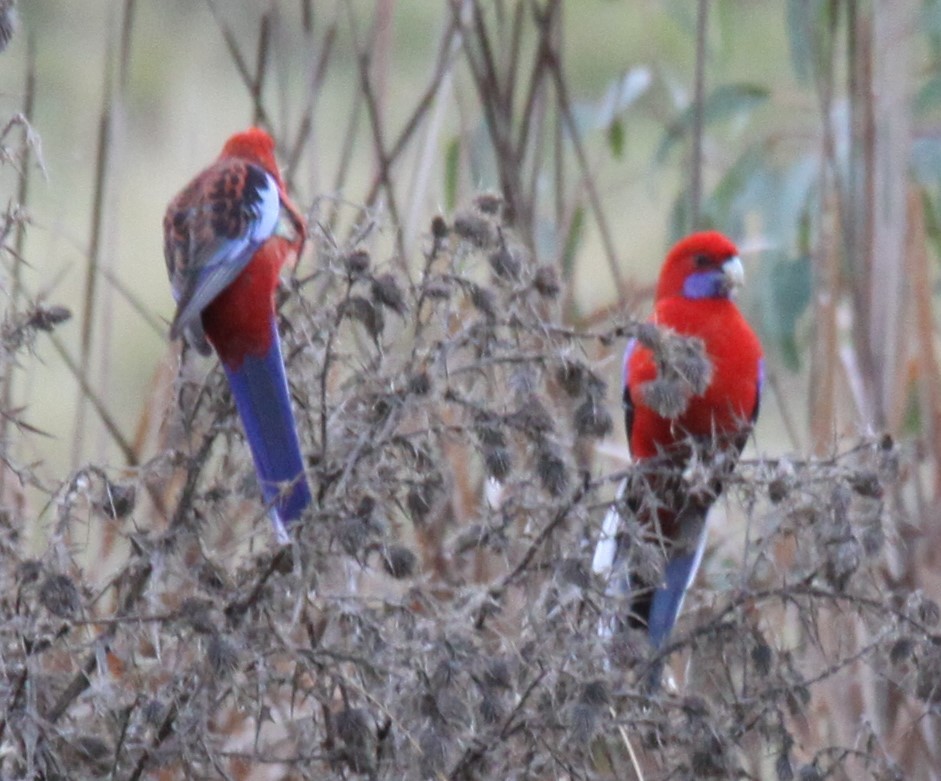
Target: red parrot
pixel 694 298
pixel 226 236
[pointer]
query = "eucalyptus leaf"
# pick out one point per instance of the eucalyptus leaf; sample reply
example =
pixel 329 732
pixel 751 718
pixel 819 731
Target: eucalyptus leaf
pixel 724 102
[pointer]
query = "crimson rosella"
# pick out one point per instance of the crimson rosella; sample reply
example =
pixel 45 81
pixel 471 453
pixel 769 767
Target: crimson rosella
pixel 226 237
pixel 710 427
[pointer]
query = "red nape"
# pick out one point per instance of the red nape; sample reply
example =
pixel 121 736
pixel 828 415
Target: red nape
pixel 238 321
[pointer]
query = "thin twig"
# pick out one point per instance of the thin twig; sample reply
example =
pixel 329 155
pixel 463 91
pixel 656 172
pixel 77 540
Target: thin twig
pixel 699 98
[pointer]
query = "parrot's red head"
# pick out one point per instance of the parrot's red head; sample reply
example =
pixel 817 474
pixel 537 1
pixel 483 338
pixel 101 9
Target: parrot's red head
pixel 703 265
pixel 256 146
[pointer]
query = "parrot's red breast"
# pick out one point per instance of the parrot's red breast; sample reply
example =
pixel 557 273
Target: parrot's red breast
pixel 703 309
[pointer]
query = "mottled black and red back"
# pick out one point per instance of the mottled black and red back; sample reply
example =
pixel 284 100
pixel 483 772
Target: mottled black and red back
pixel 212 230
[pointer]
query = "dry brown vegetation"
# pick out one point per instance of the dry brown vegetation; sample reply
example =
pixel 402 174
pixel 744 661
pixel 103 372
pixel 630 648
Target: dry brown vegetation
pixel 436 616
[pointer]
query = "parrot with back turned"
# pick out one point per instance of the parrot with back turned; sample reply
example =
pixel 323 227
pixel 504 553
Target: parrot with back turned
pixel 693 298
pixel 226 236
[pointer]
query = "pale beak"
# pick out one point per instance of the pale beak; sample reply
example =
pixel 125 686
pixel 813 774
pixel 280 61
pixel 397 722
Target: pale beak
pixel 733 273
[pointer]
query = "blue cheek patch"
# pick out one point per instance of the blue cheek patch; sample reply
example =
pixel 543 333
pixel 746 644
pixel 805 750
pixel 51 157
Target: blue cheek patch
pixel 705 284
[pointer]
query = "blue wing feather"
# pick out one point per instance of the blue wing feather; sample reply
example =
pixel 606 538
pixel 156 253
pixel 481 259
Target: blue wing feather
pixel 260 389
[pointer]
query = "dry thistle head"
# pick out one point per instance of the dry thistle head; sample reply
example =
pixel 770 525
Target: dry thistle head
pixel 531 418
pixel 506 263
pixel 419 383
pixel 572 376
pixel 364 311
pixel 592 418
pixel 546 282
pixel 117 500
pixel 399 561
pixel 667 396
pixel 551 470
pixel 356 733
pixel 498 462
pixel 356 262
pixel 439 228
pixel 221 654
pixel 59 595
pixel 489 203
pixel 476 229
pixel 483 301
pixel 386 291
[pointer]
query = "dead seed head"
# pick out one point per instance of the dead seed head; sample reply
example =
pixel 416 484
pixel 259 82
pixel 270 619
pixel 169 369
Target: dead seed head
pixel 592 419
pixel 532 418
pixel 29 571
pixel 901 650
pixel 843 560
pixel 439 228
pixel 928 612
pixel 356 732
pixel 928 676
pixel 484 301
pixel 357 262
pixel 222 655
pixel 505 263
pixel 867 484
pixel 552 472
pixel 571 375
pixel 809 773
pixel 695 368
pixel 546 282
pixel 489 203
pixel 669 398
pixel 399 561
pixel 198 614
pixel 475 229
pixel 59 595
pixel 118 500
pixel 488 430
pixel 365 312
pixel 498 462
pixel 762 657
pixel 386 291
pixel 419 383
pixel 649 335
pixel 574 572
pixel 436 290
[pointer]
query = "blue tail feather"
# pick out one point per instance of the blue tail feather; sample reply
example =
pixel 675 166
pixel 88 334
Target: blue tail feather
pixel 260 389
pixel 668 598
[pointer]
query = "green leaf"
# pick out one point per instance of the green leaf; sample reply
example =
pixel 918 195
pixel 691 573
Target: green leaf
pixel 452 158
pixel 616 138
pixel 929 96
pixel 811 28
pixel 785 290
pixel 573 241
pixel 724 102
pixel 620 94
pixel 926 160
pixel 739 190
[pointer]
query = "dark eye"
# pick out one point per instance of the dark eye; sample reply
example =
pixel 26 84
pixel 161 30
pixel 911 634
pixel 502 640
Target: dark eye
pixel 701 261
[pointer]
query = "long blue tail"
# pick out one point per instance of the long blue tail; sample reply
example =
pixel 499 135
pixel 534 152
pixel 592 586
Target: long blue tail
pixel 260 389
pixel 668 597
